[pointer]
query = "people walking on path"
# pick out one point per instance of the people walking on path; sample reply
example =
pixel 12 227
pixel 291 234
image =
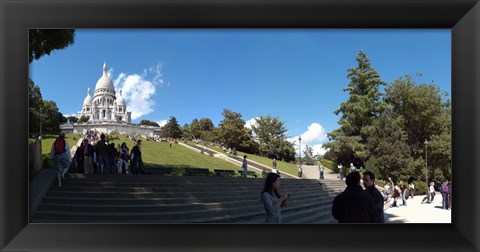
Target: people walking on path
pixel 300 170
pixel 444 191
pixel 274 164
pixel 430 194
pixel 353 168
pixel 354 205
pixel 450 195
pixel 403 189
pixel 378 199
pixel 411 188
pixel 136 162
pixel 271 199
pixel 321 169
pixel 340 171
pixel 60 154
pixel 244 166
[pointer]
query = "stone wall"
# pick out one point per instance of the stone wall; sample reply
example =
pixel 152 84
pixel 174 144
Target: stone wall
pixel 123 129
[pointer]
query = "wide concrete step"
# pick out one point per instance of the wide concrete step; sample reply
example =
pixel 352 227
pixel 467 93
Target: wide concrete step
pixel 181 199
pixel 173 199
pixel 204 214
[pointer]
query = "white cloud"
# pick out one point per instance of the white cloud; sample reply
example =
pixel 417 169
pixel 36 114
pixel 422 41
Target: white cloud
pixel 162 122
pixel 251 122
pixel 71 114
pixel 318 149
pixel 139 89
pixel 315 133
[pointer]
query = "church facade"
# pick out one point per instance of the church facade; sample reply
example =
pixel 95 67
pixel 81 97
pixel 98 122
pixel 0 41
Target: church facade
pixel 107 112
pixel 105 106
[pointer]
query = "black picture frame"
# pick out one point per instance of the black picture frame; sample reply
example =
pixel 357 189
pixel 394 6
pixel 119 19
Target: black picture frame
pixel 16 234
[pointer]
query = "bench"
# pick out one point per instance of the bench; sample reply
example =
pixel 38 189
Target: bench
pixel 249 173
pixel 221 172
pixel 160 170
pixel 197 171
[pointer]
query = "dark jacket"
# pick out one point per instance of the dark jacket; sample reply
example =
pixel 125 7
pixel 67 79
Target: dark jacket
pixel 102 148
pixel 80 153
pixel 137 154
pixel 378 200
pixel 354 205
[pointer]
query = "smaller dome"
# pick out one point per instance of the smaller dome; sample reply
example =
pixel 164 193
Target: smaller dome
pixel 88 99
pixel 120 100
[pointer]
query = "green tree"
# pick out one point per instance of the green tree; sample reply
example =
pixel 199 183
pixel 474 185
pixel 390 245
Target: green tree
pixel 52 118
pixel 148 123
pixel 171 129
pixel 44 41
pixel 195 128
pixel 389 152
pixel 72 119
pixel 232 132
pixel 426 116
pixel 187 132
pixel 363 106
pixel 270 133
pixel 83 119
pixel 206 124
pixel 35 104
pixel 308 156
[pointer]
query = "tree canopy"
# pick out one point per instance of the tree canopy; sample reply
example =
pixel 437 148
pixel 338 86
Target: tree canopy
pixel 44 41
pixel 271 135
pixel 387 131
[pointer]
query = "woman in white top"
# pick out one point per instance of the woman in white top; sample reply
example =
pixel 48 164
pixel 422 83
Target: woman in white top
pixel 272 201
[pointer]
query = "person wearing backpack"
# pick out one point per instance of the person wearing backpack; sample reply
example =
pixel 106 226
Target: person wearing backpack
pixel 60 154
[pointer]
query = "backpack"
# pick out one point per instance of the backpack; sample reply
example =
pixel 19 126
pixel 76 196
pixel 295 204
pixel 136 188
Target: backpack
pixel 59 146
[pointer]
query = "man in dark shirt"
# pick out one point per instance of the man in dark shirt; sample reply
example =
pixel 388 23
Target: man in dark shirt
pixel 354 205
pixel 369 184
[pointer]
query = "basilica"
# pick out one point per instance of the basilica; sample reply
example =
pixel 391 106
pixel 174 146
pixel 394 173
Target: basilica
pixel 105 105
pixel 107 112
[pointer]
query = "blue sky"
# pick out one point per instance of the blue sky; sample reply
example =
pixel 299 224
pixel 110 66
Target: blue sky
pixel 295 74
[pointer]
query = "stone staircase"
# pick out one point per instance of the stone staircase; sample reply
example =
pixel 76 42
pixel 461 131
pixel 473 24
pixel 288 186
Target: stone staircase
pixel 180 199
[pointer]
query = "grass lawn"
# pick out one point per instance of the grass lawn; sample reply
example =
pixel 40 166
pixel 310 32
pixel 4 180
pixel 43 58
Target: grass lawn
pixel 281 165
pixel 158 154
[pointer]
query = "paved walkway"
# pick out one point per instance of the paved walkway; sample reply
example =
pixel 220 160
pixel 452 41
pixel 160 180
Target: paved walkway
pixel 313 172
pixel 415 212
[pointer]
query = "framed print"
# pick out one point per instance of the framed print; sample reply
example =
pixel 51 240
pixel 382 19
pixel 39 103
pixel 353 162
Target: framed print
pixel 17 17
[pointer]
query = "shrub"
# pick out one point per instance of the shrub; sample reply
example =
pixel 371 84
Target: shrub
pixel 420 187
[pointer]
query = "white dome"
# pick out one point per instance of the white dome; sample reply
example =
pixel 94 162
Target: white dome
pixel 104 82
pixel 120 100
pixel 88 99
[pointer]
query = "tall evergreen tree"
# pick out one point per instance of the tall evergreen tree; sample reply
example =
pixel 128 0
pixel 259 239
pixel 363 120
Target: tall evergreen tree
pixel 363 106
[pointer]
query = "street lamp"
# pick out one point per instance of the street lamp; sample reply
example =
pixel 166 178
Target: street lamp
pixel 426 162
pixel 300 148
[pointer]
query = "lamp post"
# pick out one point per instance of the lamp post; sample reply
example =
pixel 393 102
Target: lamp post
pixel 426 161
pixel 300 148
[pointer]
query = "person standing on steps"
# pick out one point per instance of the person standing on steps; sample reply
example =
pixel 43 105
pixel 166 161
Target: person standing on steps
pixel 136 162
pixel 60 154
pixel 321 169
pixel 340 171
pixel 271 199
pixel 300 170
pixel 244 166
